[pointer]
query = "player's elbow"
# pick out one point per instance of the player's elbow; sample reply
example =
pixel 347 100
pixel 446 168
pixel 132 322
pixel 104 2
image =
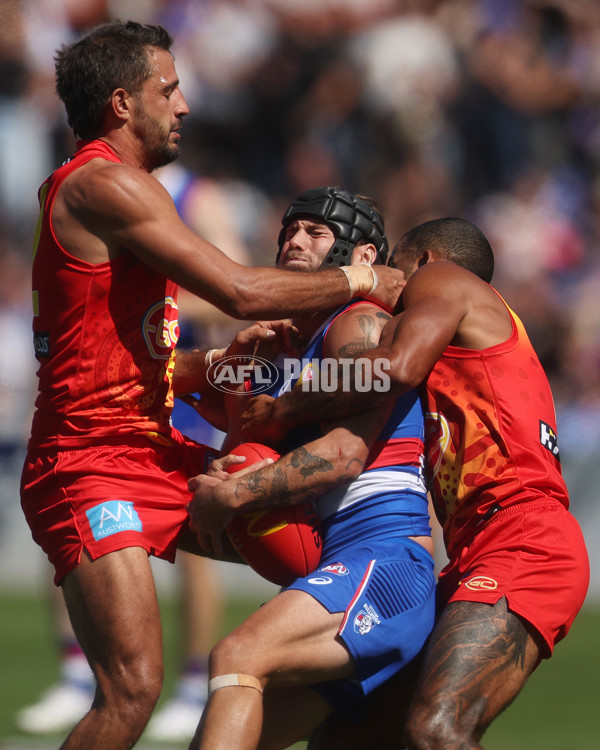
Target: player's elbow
pixel 405 374
pixel 348 454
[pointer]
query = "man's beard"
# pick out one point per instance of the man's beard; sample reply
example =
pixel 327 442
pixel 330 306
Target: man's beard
pixel 159 152
pixel 165 156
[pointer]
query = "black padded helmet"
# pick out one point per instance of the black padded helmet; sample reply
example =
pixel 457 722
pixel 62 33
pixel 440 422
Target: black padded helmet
pixel 351 219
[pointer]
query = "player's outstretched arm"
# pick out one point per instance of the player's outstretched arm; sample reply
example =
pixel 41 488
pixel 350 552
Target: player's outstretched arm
pixel 355 333
pixel 435 303
pixel 135 212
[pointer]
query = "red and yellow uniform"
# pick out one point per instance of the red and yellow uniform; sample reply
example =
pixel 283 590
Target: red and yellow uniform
pixel 497 487
pixel 104 463
pixel 104 336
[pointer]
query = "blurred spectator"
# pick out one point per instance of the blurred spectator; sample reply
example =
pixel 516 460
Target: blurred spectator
pixel 17 364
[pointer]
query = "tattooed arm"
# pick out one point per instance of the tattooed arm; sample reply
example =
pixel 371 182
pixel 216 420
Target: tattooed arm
pixel 355 331
pixel 355 334
pixel 303 474
pixel 312 469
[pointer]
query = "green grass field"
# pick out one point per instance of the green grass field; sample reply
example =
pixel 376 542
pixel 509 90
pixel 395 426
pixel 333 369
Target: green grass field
pixel 556 710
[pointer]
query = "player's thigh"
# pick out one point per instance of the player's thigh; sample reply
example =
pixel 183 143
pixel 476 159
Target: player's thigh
pixel 292 639
pixel 478 659
pixel 114 610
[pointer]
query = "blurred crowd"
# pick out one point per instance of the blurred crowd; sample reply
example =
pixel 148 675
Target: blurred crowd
pixel 485 109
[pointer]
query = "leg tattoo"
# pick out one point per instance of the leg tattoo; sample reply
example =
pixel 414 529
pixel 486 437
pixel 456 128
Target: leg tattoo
pixel 479 658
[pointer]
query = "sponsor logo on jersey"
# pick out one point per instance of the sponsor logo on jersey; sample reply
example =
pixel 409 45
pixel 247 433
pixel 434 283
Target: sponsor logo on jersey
pixel 111 517
pixel 548 439
pixel 41 344
pixel 366 620
pixel 337 569
pixel 320 581
pixel 481 583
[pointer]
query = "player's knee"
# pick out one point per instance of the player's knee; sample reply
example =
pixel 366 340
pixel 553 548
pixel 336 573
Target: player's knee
pixel 234 654
pixel 429 728
pixel 132 691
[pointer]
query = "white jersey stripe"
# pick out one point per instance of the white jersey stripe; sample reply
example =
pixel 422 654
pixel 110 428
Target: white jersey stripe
pixel 368 484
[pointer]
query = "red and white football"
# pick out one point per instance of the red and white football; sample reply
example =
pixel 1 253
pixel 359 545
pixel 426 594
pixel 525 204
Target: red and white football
pixel 280 544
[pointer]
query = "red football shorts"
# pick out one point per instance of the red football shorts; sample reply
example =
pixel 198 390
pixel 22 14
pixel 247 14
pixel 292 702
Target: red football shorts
pixel 106 498
pixel 533 554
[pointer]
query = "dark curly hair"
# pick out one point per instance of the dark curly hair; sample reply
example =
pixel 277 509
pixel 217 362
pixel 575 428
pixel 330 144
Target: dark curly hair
pixel 111 56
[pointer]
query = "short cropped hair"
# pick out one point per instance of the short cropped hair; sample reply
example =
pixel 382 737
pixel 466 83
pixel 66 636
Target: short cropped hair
pixel 452 239
pixel 111 56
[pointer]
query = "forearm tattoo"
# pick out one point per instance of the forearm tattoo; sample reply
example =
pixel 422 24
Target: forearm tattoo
pixel 256 484
pixel 307 463
pixel 271 486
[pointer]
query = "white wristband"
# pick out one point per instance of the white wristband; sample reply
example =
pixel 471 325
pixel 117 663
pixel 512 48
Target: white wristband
pixel 375 280
pixel 358 281
pixel 210 355
pixel 349 277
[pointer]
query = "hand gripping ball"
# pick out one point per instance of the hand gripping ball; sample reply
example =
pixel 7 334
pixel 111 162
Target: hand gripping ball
pixel 280 544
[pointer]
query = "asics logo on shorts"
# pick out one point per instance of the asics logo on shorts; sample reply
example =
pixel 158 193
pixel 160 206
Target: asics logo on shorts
pixel 111 517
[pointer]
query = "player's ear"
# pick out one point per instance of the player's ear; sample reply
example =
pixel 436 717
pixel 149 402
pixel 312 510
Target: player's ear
pixel 120 103
pixel 427 257
pixel 365 254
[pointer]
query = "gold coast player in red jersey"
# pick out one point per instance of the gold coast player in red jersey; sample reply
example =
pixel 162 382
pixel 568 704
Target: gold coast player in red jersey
pixel 518 569
pixel 105 480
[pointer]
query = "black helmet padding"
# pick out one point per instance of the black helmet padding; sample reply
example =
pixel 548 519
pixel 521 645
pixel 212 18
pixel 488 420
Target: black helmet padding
pixel 352 221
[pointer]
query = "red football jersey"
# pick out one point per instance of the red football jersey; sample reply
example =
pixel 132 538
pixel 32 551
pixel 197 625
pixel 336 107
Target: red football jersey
pixel 490 433
pixel 104 335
